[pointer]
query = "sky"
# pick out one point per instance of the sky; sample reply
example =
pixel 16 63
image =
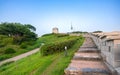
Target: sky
pixel 83 15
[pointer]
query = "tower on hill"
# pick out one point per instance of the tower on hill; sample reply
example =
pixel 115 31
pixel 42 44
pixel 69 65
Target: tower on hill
pixel 55 30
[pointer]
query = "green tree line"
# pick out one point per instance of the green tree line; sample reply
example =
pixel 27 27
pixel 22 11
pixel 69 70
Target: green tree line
pixel 19 32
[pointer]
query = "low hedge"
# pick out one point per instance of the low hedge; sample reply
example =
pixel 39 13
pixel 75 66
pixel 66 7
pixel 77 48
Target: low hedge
pixel 9 51
pixel 57 46
pixel 61 35
pixel 2 45
pixel 47 34
pixel 23 45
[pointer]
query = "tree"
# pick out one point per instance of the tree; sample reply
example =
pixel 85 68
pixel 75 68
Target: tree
pixel 30 27
pixel 98 31
pixel 19 32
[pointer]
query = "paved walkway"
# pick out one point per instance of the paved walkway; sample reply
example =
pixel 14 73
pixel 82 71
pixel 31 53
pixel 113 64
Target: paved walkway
pixel 19 56
pixel 87 61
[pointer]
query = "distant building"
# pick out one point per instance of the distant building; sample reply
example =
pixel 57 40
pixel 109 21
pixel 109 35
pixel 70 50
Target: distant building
pixel 55 30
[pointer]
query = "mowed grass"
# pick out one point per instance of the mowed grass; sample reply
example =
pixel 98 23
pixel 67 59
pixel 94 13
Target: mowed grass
pixel 41 65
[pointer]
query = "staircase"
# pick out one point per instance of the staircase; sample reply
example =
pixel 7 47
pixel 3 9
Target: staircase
pixel 87 61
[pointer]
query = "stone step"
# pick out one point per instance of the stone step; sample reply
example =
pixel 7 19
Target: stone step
pixel 87 68
pixel 87 61
pixel 87 56
pixel 88 51
pixel 95 47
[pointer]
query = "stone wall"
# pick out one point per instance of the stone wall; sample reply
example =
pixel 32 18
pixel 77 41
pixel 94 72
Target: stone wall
pixel 107 44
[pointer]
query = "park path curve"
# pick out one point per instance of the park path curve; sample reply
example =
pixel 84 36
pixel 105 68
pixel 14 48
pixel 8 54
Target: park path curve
pixel 19 56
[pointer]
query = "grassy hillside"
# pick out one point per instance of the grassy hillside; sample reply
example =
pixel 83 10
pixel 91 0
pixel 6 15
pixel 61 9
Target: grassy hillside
pixel 6 43
pixel 9 49
pixel 42 65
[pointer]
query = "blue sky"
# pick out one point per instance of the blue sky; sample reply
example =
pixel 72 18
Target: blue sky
pixel 85 15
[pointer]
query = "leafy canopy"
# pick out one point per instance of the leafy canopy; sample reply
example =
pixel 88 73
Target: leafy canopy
pixel 19 32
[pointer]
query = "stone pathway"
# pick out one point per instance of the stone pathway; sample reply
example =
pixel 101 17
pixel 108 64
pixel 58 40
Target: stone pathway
pixel 87 61
pixel 19 56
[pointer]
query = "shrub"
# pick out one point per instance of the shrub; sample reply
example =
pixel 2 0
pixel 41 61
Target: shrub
pixel 5 40
pixel 2 45
pixel 47 34
pixel 3 36
pixel 61 35
pixel 31 42
pixel 23 45
pixel 5 56
pixel 9 51
pixel 57 46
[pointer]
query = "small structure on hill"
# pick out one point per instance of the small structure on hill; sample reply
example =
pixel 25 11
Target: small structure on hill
pixel 55 30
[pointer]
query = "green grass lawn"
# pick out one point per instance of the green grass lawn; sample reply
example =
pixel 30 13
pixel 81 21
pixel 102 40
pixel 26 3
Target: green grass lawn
pixel 42 65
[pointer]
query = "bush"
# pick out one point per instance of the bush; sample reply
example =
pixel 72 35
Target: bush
pixel 5 56
pixel 31 42
pixel 3 36
pixel 9 51
pixel 61 35
pixel 47 34
pixel 5 40
pixel 57 46
pixel 23 45
pixel 2 45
